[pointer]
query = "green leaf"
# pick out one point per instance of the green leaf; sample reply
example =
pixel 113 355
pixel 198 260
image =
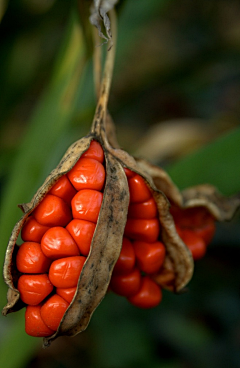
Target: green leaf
pixel 216 163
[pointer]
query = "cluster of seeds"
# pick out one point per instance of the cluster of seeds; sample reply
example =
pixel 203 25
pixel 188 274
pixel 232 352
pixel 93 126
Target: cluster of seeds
pixel 57 238
pixel 142 253
pixel 58 235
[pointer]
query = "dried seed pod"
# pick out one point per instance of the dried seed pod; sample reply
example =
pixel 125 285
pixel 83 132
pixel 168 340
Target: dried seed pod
pixel 106 242
pixel 105 246
pixel 107 239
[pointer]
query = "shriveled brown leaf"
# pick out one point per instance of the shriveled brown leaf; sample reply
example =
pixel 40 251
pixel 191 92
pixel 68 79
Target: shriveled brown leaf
pixel 222 208
pixel 99 10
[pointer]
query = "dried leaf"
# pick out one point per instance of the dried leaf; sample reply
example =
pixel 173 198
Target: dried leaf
pixel 99 10
pixel 222 208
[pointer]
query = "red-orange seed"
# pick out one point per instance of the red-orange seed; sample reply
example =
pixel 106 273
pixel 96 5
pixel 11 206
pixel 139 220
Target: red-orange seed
pixel 141 229
pixel 144 210
pixel 95 152
pixel 34 325
pixel 53 211
pixel 63 189
pixel 195 244
pixel 86 205
pixel 139 192
pixel 31 259
pixel 34 288
pixel 150 256
pixel 197 219
pixel 58 243
pixel 82 232
pixel 87 174
pixel 64 272
pixel 126 284
pixel 129 173
pixel 206 232
pixel 32 231
pixel 53 310
pixel 66 294
pixel 148 296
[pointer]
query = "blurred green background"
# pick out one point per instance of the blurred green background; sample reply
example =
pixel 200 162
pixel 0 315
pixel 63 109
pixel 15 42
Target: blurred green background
pixel 176 82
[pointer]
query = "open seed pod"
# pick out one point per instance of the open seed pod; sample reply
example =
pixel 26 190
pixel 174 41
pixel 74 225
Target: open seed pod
pixel 107 239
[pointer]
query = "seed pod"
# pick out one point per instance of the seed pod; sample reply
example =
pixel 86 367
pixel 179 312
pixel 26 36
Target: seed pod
pixel 108 230
pixel 107 239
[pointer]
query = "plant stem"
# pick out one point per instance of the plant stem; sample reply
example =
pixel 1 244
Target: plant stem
pixel 101 109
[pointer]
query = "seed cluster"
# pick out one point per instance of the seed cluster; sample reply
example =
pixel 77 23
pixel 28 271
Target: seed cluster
pixel 142 253
pixel 58 235
pixel 57 239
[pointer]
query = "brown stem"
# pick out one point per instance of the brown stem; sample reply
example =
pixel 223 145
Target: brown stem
pixel 101 109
